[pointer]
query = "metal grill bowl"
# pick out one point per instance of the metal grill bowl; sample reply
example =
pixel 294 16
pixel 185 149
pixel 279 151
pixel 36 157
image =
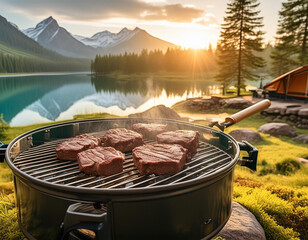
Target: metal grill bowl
pixel 54 197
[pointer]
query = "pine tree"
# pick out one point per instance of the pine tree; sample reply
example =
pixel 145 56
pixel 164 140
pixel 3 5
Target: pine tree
pixel 291 49
pixel 239 38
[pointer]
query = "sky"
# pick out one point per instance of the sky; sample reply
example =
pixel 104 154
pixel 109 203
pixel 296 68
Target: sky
pixel 190 23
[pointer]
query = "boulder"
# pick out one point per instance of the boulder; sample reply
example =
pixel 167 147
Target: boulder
pixel 242 225
pixel 303 112
pixel 236 103
pixel 159 111
pixel 292 111
pixel 278 129
pixel 245 134
pixel 303 138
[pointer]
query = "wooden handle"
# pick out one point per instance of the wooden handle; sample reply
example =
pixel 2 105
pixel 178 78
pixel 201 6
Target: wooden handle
pixel 247 112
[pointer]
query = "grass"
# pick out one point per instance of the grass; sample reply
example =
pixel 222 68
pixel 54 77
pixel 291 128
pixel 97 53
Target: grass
pixel 277 193
pixel 14 52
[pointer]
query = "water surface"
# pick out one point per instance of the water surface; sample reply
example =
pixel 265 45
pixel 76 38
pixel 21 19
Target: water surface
pixel 43 98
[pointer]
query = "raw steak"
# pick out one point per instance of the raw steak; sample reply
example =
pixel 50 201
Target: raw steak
pixel 101 161
pixel 186 138
pixel 122 139
pixel 149 130
pixel 160 159
pixel 69 149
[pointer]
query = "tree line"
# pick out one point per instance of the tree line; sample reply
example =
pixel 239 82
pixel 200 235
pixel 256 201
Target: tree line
pixel 13 64
pixel 173 60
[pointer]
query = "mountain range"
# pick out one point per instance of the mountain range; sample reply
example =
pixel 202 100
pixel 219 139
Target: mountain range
pixel 20 53
pixel 50 35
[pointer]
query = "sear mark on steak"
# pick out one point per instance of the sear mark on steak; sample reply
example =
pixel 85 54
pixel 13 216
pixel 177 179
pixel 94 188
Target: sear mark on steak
pixel 101 161
pixel 69 149
pixel 159 159
pixel 149 130
pixel 122 139
pixel 186 138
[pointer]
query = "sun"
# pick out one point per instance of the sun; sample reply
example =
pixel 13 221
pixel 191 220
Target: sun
pixel 193 38
pixel 193 41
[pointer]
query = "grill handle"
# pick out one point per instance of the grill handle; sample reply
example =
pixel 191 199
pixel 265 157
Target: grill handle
pixel 75 219
pixel 239 116
pixel 251 160
pixel 247 112
pixel 3 147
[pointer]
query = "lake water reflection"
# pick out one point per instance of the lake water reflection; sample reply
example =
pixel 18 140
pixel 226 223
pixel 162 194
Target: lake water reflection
pixel 43 98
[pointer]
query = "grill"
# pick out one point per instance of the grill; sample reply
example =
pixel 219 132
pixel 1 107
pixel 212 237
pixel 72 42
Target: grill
pixel 41 163
pixel 192 204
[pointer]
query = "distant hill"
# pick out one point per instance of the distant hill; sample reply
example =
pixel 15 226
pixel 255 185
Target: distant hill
pixel 22 54
pixel 50 35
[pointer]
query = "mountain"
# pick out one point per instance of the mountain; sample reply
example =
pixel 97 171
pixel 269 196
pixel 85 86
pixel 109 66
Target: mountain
pixel 50 35
pixel 140 40
pixel 22 54
pixel 108 39
pixel 125 41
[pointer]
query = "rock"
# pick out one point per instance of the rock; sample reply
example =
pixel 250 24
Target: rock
pixel 292 117
pixel 303 112
pixel 272 110
pixel 292 111
pixel 245 134
pixel 278 129
pixel 159 111
pixel 303 138
pixel 237 103
pixel 242 225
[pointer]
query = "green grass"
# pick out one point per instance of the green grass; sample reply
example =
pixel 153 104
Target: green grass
pixel 14 52
pixel 277 193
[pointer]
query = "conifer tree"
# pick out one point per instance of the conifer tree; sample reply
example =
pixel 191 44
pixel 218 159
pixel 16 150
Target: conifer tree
pixel 291 48
pixel 240 37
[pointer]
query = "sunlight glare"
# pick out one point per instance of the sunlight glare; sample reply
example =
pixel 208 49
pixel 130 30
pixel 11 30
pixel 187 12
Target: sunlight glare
pixel 193 39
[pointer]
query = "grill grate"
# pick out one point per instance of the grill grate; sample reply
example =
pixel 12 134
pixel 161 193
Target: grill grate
pixel 41 163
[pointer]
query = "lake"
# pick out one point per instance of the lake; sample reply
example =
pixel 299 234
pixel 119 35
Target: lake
pixel 30 99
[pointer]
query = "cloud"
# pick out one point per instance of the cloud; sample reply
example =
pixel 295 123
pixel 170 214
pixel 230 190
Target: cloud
pixel 94 10
pixel 208 19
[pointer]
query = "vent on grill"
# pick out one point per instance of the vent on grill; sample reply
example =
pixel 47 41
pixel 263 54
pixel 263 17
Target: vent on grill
pixel 41 163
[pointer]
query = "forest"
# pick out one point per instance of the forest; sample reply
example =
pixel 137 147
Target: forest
pixel 17 64
pixel 173 60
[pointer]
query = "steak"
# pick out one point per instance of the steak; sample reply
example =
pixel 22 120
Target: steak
pixel 69 149
pixel 149 130
pixel 159 159
pixel 122 139
pixel 186 138
pixel 101 161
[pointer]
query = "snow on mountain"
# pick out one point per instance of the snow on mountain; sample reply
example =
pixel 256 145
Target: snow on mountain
pixel 50 35
pixel 39 28
pixel 108 39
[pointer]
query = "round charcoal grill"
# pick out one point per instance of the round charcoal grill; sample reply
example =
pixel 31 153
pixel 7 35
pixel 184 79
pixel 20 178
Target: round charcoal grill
pixel 55 200
pixel 41 163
